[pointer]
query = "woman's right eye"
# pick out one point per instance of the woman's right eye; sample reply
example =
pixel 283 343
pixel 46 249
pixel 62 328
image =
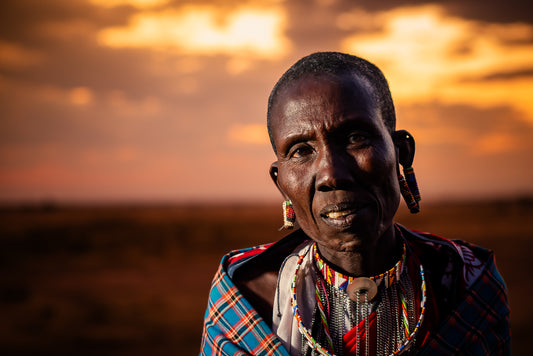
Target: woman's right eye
pixel 300 151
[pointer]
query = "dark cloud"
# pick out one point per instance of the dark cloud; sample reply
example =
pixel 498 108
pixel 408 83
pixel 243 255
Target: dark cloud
pixel 491 11
pixel 464 151
pixel 468 124
pixel 502 75
pixel 22 20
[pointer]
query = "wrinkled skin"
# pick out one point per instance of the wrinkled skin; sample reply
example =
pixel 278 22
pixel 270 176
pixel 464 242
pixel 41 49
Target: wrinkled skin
pixel 337 163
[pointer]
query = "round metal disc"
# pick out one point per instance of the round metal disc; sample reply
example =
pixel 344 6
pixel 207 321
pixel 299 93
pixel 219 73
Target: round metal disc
pixel 359 287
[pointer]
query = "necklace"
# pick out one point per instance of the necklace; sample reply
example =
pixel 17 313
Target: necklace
pixel 363 297
pixel 343 282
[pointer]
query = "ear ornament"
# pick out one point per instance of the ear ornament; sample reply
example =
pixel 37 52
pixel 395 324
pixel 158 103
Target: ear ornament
pixel 289 217
pixel 411 182
pixel 409 198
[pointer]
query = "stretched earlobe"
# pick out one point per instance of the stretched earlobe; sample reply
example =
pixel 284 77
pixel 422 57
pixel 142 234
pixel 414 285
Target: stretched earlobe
pixel 405 148
pixel 289 217
pixel 405 145
pixel 273 171
pixel 274 176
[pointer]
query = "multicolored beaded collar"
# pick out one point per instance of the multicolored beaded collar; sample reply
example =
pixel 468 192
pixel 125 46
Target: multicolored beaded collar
pixel 306 333
pixel 341 281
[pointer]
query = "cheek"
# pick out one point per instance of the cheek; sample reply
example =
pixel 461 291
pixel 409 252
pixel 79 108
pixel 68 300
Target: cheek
pixel 288 183
pixel 378 174
pixel 377 164
pixel 295 184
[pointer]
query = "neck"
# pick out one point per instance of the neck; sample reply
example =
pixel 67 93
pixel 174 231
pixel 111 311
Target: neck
pixel 371 259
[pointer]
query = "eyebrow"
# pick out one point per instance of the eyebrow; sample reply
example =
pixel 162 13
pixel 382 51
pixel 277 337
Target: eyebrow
pixel 353 122
pixel 293 138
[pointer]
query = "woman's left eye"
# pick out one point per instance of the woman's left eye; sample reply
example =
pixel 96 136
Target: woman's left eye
pixel 357 138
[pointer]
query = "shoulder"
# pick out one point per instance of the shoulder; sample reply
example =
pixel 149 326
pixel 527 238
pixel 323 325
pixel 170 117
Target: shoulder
pixel 254 271
pixel 464 259
pixel 470 294
pixel 431 248
pixel 261 258
pixel 455 264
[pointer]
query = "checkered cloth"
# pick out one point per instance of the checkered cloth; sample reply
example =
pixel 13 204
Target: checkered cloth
pixel 479 325
pixel 231 325
pixel 474 319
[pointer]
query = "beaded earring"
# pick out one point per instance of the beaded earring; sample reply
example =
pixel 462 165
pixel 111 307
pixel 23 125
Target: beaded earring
pixel 409 198
pixel 288 215
pixel 411 182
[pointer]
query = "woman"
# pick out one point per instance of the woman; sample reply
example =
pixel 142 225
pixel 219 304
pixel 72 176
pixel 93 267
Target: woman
pixel 350 281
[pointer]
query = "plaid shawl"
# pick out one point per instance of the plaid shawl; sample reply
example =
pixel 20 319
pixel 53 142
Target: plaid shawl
pixel 476 324
pixel 231 325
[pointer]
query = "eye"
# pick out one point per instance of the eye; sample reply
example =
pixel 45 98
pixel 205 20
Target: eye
pixel 300 151
pixel 358 138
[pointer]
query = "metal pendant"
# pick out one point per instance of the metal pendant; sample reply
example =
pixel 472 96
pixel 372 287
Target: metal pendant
pixel 362 289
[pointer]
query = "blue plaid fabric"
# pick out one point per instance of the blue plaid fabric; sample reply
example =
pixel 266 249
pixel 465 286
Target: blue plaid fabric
pixel 478 324
pixel 231 325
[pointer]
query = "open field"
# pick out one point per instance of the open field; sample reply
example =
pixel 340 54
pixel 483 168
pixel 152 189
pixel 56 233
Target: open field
pixel 117 280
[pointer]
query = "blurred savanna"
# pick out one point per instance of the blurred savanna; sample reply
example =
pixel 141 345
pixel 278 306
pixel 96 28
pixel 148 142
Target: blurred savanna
pixel 133 280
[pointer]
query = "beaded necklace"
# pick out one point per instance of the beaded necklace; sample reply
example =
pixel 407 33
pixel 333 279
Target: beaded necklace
pixel 409 337
pixel 342 281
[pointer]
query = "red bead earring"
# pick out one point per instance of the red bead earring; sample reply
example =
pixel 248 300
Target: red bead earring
pixel 289 217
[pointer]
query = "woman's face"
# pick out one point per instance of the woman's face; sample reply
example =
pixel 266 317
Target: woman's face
pixel 336 161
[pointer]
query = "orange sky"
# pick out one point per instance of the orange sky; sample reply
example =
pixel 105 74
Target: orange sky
pixel 160 100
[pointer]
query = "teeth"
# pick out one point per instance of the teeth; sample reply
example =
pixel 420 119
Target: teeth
pixel 337 214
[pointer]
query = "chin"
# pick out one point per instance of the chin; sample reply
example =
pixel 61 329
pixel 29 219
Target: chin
pixel 347 243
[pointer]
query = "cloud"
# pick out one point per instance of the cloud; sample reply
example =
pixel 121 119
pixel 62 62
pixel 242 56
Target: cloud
pixel 81 96
pixel 427 54
pixel 496 143
pixel 175 91
pixel 204 30
pixel 466 130
pixel 15 56
pixel 136 3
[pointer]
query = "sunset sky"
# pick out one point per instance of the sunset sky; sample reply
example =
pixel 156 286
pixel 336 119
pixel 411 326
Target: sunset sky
pixel 162 100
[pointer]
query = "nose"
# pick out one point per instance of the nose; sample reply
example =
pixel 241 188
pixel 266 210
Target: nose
pixel 335 171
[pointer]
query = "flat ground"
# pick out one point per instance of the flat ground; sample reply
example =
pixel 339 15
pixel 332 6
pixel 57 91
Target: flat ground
pixel 116 280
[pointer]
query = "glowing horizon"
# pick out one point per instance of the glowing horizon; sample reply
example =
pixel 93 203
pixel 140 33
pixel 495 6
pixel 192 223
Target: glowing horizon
pixel 153 99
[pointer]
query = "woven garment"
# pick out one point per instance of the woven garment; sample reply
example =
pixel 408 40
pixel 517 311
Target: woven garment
pixel 231 325
pixel 479 325
pixel 468 293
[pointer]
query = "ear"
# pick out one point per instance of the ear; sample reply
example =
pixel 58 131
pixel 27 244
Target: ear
pixel 405 146
pixel 274 174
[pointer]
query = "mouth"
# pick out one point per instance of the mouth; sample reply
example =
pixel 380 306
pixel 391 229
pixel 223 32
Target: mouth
pixel 337 214
pixel 341 215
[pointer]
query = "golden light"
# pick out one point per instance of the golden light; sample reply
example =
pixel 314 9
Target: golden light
pixel 428 55
pixel 249 134
pixel 80 96
pixel 203 30
pixel 495 143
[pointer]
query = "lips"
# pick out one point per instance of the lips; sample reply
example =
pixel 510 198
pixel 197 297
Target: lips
pixel 341 215
pixel 337 214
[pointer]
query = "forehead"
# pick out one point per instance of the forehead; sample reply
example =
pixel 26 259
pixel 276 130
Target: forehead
pixel 325 100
